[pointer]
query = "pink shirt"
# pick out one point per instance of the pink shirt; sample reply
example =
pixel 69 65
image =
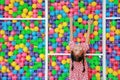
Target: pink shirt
pixel 76 73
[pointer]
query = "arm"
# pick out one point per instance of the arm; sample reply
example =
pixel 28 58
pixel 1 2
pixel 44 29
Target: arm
pixel 71 29
pixel 88 32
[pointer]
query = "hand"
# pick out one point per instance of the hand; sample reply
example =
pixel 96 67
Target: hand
pixel 90 21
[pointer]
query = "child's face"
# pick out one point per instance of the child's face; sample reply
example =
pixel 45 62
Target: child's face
pixel 77 50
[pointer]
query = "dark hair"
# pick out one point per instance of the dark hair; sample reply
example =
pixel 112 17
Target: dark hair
pixel 81 58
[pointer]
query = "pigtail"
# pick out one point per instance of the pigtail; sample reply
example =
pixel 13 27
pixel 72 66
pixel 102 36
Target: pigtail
pixel 83 63
pixel 72 57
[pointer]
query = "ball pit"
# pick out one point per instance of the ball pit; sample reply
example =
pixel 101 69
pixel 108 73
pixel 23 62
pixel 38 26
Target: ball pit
pixel 113 49
pixel 81 11
pixel 112 8
pixel 59 67
pixel 22 50
pixel 22 8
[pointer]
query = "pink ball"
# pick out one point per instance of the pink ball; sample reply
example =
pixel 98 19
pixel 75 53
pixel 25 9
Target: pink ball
pixel 21 64
pixel 14 77
pixel 13 33
pixel 39 5
pixel 76 2
pixel 76 8
pixel 7 1
pixel 50 48
pixel 35 15
pixel 58 39
pixel 57 68
pixel 9 16
pixel 59 8
pixel 50 74
pixel 98 7
pixel 40 74
pixel 8 44
pixel 35 11
pixel 87 12
pixel 51 78
pixel 71 10
pixel 58 49
pixel 11 48
pixel 75 13
pixel 96 28
pixel 32 25
pixel 84 22
pixel 67 3
pixel 38 59
pixel 112 33
pixel 10 74
pixel 24 54
pixel 18 16
pixel 65 57
pixel 6 38
pixel 59 58
pixel 51 31
pixel 5 14
pixel 62 3
pixel 34 1
pixel 70 14
pixel 80 35
pixel 0 44
pixel 14 9
pixel 1 7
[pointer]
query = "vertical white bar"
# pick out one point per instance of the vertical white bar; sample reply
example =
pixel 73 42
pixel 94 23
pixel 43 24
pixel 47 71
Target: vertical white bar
pixel 104 39
pixel 46 39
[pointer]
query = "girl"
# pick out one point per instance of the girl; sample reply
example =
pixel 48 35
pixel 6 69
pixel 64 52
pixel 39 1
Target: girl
pixel 78 64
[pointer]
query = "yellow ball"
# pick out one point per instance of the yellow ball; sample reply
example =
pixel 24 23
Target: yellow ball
pixel 66 9
pixel 36 28
pixel 25 10
pixel 10 12
pixel 119 5
pixel 118 71
pixel 28 57
pixel 63 62
pixel 21 36
pixel 10 5
pixel 25 49
pixel 51 52
pixel 94 3
pixel 112 28
pixel 67 48
pixel 115 73
pixel 118 10
pixel 111 0
pixel 21 45
pixel 30 13
pixel 78 39
pixel 107 35
pixel 23 15
pixel 17 67
pixel 12 1
pixel 40 1
pixel 10 38
pixel 97 74
pixel 61 31
pixel 117 32
pixel 90 16
pixel 60 35
pixel 59 16
pixel 53 64
pixel 21 2
pixel 68 61
pixel 82 10
pixel 6 8
pixel 56 30
pixel 60 26
pixel 10 53
pixel 17 47
pixel 110 70
pixel 95 33
pixel 96 17
pixel 27 28
pixel 2 32
pixel 13 64
pixel 4 69
pixel 80 20
pixel 1 58
pixel 98 68
pixel 42 56
pixel 34 6
pixel 65 24
pixel 112 39
pixel 95 23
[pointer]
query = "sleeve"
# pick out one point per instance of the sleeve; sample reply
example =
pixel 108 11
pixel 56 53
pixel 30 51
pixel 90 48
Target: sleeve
pixel 71 44
pixel 85 46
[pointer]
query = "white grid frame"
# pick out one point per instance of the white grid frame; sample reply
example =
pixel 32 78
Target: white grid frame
pixel 46 40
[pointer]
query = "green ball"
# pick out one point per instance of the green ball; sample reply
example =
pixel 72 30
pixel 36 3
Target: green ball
pixel 52 1
pixel 92 41
pixel 14 14
pixel 81 4
pixel 113 23
pixel 10 60
pixel 54 72
pixel 2 40
pixel 76 23
pixel 40 13
pixel 2 54
pixel 15 52
pixel 100 31
pixel 94 77
pixel 29 8
pixel 52 8
pixel 27 23
pixel 2 2
pixel 64 44
pixel 67 19
pixel 25 68
pixel 10 28
pixel 4 46
pixel 80 26
pixel 19 12
pixel 66 29
pixel 40 40
pixel 97 38
pixel 53 58
pixel 110 75
pixel 27 74
pixel 57 22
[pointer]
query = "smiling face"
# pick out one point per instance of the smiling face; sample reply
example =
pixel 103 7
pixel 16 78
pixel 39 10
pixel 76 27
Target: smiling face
pixel 77 50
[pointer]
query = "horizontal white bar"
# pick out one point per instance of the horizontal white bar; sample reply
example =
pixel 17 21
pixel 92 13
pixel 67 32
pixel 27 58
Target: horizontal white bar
pixel 112 17
pixel 22 18
pixel 69 54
